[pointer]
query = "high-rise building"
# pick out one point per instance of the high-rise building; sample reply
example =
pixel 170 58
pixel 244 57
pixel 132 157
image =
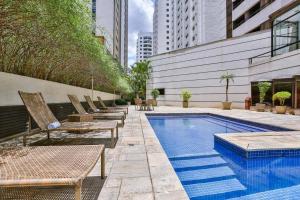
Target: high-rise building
pixel 144 46
pixel 112 26
pixel 253 15
pixel 184 23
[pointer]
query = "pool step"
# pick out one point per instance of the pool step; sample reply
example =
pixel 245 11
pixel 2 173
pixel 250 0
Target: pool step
pixel 240 127
pixel 194 156
pixel 205 175
pixel 198 163
pixel 211 189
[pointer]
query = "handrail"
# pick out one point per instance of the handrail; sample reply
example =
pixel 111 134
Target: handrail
pixel 273 50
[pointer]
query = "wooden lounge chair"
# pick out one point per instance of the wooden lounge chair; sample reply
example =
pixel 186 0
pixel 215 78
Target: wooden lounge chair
pixel 43 116
pixel 94 108
pixel 49 166
pixel 98 116
pixel 103 106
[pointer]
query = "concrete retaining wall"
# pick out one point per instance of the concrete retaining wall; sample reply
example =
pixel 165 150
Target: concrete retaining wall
pixel 53 92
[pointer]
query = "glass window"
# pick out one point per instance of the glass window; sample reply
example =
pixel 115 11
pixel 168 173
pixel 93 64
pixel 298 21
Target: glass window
pixel 286 32
pixel 255 94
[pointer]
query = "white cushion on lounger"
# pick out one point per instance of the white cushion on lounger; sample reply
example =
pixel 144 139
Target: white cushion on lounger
pixel 54 125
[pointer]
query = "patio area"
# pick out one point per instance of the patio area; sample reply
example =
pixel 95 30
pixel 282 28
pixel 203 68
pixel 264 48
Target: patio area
pixel 138 168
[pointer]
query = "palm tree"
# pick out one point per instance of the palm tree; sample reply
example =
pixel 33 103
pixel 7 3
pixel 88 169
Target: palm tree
pixel 139 75
pixel 227 77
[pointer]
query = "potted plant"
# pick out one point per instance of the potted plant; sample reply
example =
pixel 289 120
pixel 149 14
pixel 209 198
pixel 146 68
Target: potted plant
pixel 186 95
pixel 263 87
pixel 155 94
pixel 281 97
pixel 227 77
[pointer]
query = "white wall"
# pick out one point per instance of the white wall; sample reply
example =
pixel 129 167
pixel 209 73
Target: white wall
pixel 257 19
pixel 53 92
pixel 198 69
pixel 283 66
pixel 105 21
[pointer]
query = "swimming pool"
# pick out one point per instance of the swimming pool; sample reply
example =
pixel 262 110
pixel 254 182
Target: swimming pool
pixel 209 171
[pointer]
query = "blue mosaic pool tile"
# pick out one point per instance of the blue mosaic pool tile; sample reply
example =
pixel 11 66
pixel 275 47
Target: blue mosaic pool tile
pixel 197 163
pixel 204 175
pixel 289 193
pixel 256 153
pixel 213 188
pixel 195 155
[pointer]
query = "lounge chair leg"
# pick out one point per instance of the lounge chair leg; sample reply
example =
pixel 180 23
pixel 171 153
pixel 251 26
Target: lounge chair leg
pixel 24 140
pixel 117 130
pixel 48 135
pixel 103 164
pixel 78 191
pixel 112 138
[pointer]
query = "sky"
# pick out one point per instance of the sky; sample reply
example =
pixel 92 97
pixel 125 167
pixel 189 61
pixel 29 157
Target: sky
pixel 140 14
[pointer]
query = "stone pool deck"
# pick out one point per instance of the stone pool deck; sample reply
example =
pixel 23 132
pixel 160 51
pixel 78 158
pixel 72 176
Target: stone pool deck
pixel 143 171
pixel 138 168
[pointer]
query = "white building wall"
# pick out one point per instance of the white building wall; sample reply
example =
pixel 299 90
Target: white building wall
pixel 160 23
pixel 199 68
pixel 283 66
pixel 144 47
pixel 105 22
pixel 213 26
pixel 258 18
pixel 124 34
pixel 179 24
pixel 112 23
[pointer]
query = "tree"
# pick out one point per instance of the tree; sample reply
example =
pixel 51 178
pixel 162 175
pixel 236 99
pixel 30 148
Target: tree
pixel 139 75
pixel 227 77
pixel 53 40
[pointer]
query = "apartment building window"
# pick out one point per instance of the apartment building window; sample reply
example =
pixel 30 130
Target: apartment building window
pixel 236 3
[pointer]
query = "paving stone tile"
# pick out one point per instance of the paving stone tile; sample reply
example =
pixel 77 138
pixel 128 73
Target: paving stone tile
pixel 139 185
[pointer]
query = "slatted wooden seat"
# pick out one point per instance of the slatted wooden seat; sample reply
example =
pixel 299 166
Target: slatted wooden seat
pixel 47 166
pixel 103 106
pixel 43 116
pixel 94 108
pixel 103 116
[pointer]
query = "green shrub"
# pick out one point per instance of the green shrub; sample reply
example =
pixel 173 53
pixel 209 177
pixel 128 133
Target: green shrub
pixel 263 88
pixel 186 95
pixel 155 93
pixel 281 97
pixel 121 102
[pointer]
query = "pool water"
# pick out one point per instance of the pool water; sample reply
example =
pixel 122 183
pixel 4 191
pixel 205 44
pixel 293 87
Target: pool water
pixel 210 171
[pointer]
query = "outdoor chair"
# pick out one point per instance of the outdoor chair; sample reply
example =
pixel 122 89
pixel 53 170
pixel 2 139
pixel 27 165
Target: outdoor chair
pixel 138 103
pixel 94 108
pixel 103 106
pixel 47 166
pixel 149 104
pixel 43 116
pixel 98 116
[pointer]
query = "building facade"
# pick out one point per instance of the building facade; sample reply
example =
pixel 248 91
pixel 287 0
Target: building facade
pixel 180 24
pixel 111 24
pixel 270 55
pixel 144 46
pixel 253 15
